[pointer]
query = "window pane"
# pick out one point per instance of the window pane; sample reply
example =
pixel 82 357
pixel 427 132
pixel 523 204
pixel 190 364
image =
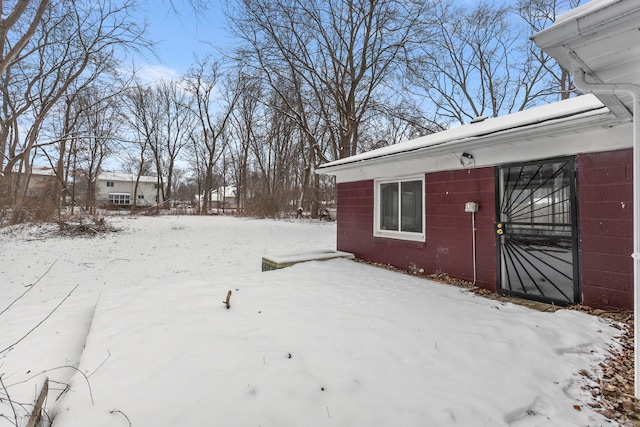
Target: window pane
pixel 389 206
pixel 120 199
pixel 412 206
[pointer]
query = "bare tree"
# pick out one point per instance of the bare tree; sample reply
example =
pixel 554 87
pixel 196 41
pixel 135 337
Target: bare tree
pixel 18 24
pixel 72 42
pixel 395 122
pixel 335 55
pixel 275 154
pixel 61 128
pixel 245 127
pixel 537 15
pixel 203 82
pixel 473 62
pixel 99 126
pixel 174 128
pixel 142 114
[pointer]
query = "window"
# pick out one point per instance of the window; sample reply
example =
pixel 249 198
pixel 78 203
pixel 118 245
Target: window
pixel 140 196
pixel 119 198
pixel 399 209
pixel 111 184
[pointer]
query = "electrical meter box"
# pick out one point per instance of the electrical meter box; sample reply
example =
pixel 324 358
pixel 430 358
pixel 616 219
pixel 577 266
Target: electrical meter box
pixel 471 207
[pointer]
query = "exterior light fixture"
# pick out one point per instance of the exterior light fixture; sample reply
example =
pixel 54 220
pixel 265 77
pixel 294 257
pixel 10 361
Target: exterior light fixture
pixel 466 159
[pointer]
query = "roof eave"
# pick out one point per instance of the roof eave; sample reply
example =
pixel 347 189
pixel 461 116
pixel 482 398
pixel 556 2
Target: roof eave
pixel 601 117
pixel 574 26
pixel 583 26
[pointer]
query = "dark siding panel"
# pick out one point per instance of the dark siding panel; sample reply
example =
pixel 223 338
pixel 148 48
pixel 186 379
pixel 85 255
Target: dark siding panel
pixel 448 247
pixel 355 217
pixel 606 298
pixel 594 227
pixel 449 232
pixel 605 189
pixel 607 245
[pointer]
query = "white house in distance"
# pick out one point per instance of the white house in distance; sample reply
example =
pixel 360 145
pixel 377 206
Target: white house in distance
pixel 223 198
pixel 118 189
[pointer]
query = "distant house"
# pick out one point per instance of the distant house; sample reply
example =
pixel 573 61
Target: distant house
pixel 117 190
pixel 41 180
pixel 225 197
pixel 537 204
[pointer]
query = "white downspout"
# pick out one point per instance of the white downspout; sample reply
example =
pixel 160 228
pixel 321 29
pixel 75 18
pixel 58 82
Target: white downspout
pixel 634 91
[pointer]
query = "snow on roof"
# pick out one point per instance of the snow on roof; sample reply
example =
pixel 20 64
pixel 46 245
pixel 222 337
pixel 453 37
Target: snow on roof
pixel 586 105
pixel 127 177
pixel 43 170
pixel 227 192
pixel 35 170
pixel 586 9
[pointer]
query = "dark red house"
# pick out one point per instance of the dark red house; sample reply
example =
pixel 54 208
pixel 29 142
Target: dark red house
pixel 537 204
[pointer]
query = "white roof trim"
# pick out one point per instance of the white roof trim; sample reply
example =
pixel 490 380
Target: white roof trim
pixel 586 107
pixel 124 177
pixel 600 38
pixel 586 20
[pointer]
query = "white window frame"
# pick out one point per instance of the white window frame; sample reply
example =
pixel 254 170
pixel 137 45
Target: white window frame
pixel 111 184
pixel 392 234
pixel 120 199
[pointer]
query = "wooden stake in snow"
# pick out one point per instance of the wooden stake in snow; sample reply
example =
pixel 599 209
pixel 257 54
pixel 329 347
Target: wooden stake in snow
pixel 228 301
pixel 36 414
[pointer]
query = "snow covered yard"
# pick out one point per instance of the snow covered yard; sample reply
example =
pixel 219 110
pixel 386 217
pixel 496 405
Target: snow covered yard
pixel 333 343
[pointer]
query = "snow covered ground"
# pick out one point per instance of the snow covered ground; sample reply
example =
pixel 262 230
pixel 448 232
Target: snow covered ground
pixel 145 339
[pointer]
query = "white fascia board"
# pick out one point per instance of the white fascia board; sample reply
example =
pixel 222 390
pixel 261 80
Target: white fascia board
pixel 592 38
pixel 585 135
pixel 595 18
pixel 446 142
pixel 558 111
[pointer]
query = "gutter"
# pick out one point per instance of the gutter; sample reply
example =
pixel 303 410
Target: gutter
pixel 586 21
pixel 634 91
pixel 599 116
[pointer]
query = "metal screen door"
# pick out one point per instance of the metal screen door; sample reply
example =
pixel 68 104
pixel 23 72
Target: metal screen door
pixel 537 231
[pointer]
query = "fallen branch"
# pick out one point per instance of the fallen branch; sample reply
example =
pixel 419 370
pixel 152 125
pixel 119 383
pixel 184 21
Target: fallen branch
pixel 55 369
pixel 100 366
pixel 30 287
pixel 6 392
pixel 113 411
pixel 41 322
pixel 36 414
pixel 64 389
